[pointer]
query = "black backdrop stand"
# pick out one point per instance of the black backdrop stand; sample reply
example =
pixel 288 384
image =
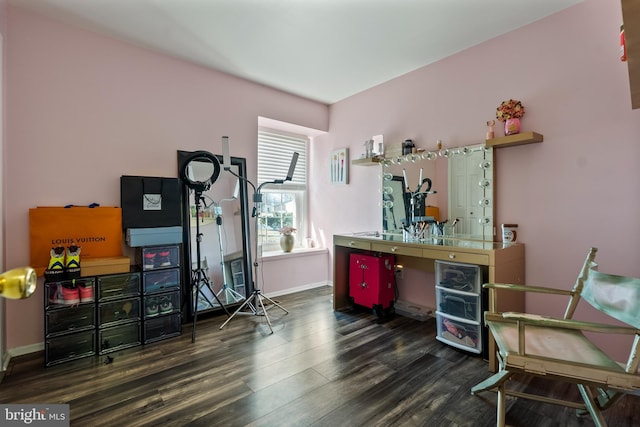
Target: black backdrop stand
pixel 198 277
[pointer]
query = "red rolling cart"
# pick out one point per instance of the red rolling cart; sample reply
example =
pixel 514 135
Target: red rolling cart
pixel 372 281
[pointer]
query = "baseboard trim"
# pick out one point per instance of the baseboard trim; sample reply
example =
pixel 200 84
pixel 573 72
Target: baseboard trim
pixel 299 288
pixel 5 363
pixel 18 351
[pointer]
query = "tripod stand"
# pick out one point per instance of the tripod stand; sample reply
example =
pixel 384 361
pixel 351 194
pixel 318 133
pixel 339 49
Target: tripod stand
pixel 255 302
pixel 199 280
pixel 230 294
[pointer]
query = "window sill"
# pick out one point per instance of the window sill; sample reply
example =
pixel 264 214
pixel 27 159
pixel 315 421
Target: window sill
pixel 296 253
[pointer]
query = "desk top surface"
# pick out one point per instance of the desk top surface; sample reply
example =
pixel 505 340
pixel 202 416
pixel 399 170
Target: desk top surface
pixel 454 242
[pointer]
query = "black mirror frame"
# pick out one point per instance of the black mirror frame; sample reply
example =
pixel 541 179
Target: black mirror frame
pixel 183 158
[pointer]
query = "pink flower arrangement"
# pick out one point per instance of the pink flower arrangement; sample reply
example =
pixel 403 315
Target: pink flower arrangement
pixel 511 109
pixel 287 230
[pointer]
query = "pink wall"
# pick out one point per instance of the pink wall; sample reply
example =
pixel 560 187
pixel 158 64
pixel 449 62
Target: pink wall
pixel 575 190
pixel 295 272
pixel 3 31
pixel 83 109
pixel 3 16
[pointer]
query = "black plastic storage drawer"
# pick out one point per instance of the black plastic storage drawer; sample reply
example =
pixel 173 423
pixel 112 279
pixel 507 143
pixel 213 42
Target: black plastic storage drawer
pixel 70 319
pixel 162 327
pixel 458 276
pixel 118 286
pixel 161 304
pixel 69 347
pixel 161 280
pixel 458 304
pixel 119 337
pixel 157 257
pixel 118 311
pixel 56 296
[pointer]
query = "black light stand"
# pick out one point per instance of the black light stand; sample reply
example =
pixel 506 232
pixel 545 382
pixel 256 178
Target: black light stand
pixel 199 279
pixel 255 302
pixel 230 295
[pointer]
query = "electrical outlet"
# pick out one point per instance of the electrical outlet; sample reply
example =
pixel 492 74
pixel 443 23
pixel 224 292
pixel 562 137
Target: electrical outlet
pixel 399 272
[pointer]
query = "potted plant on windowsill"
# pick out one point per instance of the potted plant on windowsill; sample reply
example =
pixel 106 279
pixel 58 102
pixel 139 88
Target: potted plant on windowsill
pixel 287 239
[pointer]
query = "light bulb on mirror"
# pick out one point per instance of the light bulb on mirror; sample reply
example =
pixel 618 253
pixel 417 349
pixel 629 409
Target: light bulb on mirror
pixel 387 176
pixel 484 220
pixel 388 204
pixel 18 283
pixel 484 183
pixel 387 190
pixel 485 164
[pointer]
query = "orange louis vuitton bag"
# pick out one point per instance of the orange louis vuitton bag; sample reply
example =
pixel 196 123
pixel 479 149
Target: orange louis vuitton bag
pixel 97 230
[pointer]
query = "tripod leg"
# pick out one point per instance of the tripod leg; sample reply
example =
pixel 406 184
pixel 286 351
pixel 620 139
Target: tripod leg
pixel 205 282
pixel 204 298
pixel 230 295
pixel 218 299
pixel 275 303
pixel 194 291
pixel 264 311
pixel 244 304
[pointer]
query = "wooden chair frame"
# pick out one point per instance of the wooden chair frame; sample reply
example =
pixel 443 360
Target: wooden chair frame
pixel 525 342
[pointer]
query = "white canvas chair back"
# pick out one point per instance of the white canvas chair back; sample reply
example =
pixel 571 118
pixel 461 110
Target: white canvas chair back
pixel 616 296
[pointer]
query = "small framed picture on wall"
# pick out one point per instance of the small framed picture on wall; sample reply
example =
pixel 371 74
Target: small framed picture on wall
pixel 339 164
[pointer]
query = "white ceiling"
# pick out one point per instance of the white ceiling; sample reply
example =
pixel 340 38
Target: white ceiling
pixel 324 50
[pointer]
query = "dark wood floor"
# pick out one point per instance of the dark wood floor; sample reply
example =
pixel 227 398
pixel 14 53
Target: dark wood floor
pixel 319 368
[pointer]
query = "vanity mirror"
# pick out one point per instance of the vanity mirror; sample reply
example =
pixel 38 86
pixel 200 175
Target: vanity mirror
pixel 462 179
pixel 223 224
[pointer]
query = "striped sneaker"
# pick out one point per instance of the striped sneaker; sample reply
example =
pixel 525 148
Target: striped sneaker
pixel 55 271
pixel 72 263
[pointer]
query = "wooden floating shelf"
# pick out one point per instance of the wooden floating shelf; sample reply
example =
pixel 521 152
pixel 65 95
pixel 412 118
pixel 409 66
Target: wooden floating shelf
pixel 367 161
pixel 513 140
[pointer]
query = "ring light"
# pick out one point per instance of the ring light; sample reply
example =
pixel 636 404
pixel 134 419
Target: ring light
pixel 199 170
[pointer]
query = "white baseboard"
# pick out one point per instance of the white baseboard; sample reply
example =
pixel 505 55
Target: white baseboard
pixel 20 351
pixel 5 362
pixel 31 348
pixel 298 289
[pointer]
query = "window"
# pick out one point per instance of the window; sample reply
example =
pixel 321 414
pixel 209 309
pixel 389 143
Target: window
pixel 283 205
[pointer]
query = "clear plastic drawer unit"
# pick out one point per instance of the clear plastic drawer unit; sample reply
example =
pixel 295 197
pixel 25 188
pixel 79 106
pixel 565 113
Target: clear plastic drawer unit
pixel 459 305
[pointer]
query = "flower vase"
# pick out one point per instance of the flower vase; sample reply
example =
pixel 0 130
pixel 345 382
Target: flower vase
pixel 511 126
pixel 286 242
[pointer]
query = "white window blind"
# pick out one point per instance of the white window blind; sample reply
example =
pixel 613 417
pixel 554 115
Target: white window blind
pixel 274 157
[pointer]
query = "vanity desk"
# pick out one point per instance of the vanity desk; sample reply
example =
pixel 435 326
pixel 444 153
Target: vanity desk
pixel 502 262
